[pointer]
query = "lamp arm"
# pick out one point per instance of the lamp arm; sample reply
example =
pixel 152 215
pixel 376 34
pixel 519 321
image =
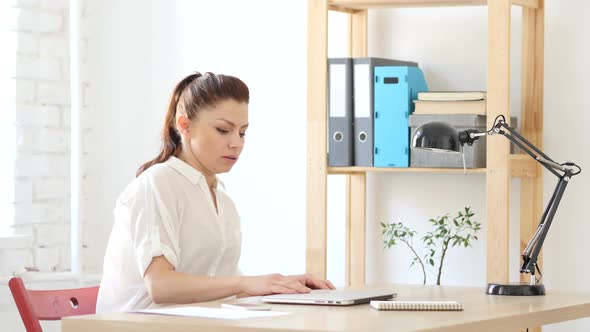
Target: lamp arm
pixel 471 135
pixel 568 170
pixel 534 238
pixel 533 248
pixel 527 147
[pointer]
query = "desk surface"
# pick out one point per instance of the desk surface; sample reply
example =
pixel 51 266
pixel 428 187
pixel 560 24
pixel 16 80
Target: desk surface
pixel 482 313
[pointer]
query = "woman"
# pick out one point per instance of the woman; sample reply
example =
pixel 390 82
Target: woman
pixel 176 236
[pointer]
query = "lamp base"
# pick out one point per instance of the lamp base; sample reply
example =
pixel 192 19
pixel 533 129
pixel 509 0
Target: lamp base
pixel 516 289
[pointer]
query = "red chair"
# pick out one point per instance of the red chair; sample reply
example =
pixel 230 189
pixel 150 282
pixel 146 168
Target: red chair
pixel 36 305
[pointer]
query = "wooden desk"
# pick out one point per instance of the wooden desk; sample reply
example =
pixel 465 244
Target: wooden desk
pixel 482 313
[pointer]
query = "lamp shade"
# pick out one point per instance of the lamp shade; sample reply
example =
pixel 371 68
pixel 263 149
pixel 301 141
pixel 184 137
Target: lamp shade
pixel 436 136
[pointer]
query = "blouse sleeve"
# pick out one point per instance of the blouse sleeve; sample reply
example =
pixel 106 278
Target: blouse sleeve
pixel 153 224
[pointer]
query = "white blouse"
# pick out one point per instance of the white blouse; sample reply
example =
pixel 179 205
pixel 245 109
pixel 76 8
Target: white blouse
pixel 168 210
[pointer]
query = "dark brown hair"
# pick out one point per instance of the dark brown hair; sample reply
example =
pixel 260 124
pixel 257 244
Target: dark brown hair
pixel 190 96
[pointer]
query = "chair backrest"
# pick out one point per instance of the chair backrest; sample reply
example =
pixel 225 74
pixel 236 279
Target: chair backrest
pixel 36 305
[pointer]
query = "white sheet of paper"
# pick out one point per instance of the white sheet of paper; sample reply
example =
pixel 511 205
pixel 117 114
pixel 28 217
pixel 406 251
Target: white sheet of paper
pixel 211 312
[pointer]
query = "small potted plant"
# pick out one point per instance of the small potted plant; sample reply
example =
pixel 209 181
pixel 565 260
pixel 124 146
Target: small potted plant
pixel 460 231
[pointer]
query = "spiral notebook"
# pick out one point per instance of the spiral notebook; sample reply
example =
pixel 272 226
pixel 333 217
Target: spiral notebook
pixel 418 305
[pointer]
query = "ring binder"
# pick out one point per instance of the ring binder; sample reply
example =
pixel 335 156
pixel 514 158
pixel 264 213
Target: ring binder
pixel 340 105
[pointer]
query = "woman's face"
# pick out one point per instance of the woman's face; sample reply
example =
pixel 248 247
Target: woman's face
pixel 217 135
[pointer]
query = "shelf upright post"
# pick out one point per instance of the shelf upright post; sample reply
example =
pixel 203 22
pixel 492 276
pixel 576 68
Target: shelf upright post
pixel 498 152
pixel 531 118
pixel 531 195
pixel 317 160
pixel 356 183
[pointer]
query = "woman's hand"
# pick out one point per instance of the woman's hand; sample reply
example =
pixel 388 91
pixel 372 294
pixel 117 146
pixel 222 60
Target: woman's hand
pixel 279 284
pixel 271 284
pixel 313 282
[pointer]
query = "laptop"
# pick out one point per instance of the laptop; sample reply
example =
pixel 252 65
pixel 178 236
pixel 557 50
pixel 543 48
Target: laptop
pixel 332 297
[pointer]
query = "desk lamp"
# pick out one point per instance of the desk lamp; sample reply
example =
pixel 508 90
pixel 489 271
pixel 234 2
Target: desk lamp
pixel 442 137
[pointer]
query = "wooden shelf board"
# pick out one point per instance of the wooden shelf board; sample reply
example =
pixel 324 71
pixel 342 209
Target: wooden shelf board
pixel 521 165
pixel 352 170
pixel 351 5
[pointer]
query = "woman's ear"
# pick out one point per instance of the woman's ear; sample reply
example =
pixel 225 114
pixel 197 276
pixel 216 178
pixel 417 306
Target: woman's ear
pixel 183 125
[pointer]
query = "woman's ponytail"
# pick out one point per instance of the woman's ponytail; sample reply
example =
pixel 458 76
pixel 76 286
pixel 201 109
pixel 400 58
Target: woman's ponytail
pixel 170 136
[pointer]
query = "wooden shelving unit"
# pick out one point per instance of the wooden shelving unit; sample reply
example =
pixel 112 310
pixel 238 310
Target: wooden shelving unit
pixel 500 164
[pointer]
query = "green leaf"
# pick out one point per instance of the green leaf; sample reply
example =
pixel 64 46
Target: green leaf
pixel 383 225
pixel 431 261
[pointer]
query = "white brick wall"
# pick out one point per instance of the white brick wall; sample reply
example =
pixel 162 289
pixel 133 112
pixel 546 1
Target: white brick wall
pixel 37 69
pixel 42 165
pixel 25 91
pixel 40 213
pixel 14 259
pixel 38 116
pixel 23 191
pixel 28 43
pixel 38 20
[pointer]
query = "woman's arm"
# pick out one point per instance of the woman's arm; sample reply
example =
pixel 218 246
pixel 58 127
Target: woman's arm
pixel 165 285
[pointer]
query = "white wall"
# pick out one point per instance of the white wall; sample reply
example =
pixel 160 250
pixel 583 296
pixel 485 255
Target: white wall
pixel 131 69
pixel 120 115
pixel 567 116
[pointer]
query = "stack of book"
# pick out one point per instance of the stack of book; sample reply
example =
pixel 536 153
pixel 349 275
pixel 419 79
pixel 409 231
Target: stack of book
pixel 451 102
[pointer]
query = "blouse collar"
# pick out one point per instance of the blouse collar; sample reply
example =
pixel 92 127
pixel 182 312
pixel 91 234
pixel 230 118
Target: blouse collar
pixel 190 172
